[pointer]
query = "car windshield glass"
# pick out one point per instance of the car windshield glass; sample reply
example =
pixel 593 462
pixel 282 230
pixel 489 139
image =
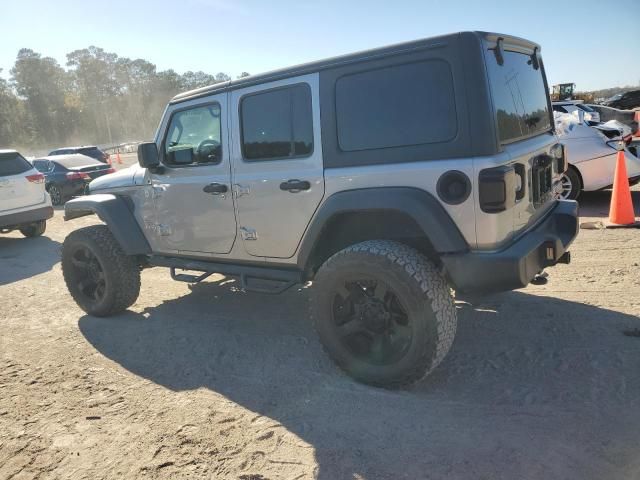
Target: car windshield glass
pixel 519 96
pixel 73 161
pixel 13 163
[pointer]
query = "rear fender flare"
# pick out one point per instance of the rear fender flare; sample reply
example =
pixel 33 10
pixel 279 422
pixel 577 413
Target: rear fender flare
pixel 421 206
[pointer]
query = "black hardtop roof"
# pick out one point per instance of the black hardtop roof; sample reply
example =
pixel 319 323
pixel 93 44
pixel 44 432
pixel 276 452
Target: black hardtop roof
pixel 399 48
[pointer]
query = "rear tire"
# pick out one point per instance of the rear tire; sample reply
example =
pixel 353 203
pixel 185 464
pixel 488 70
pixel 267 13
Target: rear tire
pixel 383 313
pixel 101 278
pixel 35 229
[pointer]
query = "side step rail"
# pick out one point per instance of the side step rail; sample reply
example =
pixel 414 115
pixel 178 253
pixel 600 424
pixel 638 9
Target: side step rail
pixel 185 277
pixel 254 279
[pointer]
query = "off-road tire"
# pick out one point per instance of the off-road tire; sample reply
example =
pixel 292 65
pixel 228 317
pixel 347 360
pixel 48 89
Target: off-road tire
pixel 121 272
pixel 34 229
pixel 416 282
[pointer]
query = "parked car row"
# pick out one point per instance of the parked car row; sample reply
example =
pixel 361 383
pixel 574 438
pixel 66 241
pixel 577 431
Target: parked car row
pixel 68 175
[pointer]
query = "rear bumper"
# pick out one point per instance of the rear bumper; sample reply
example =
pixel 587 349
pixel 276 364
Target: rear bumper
pixel 516 265
pixel 14 220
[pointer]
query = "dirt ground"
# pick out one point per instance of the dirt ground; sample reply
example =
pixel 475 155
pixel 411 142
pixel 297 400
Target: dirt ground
pixel 212 382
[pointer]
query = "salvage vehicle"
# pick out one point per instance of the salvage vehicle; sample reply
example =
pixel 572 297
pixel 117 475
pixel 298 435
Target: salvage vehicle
pixel 68 175
pixel 589 114
pixel 386 178
pixel 24 203
pixel 592 152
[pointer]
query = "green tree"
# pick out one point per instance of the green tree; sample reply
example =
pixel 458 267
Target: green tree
pixel 41 82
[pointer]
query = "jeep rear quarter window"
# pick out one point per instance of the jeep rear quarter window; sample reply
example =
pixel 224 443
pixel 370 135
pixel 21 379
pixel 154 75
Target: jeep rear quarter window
pixel 402 105
pixel 519 96
pixel 13 164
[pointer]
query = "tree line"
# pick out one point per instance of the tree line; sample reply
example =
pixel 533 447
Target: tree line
pixel 99 98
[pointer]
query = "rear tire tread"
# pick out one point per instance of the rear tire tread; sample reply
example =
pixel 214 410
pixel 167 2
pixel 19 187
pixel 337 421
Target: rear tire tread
pixel 426 276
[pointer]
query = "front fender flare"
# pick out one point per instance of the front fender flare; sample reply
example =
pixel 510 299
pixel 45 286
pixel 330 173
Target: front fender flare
pixel 116 213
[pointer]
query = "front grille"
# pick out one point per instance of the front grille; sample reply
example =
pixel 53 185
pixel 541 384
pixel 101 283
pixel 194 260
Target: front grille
pixel 542 180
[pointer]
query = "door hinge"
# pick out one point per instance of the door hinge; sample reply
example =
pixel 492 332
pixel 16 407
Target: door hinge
pixel 248 233
pixel 240 190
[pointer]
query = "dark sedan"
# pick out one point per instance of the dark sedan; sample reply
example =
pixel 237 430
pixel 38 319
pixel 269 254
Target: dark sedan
pixel 624 101
pixel 68 175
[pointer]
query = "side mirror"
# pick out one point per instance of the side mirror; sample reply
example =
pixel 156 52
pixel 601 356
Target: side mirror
pixel 148 155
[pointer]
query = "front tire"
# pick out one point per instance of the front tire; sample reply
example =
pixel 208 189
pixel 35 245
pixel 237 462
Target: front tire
pixel 383 313
pixel 35 229
pixel 100 277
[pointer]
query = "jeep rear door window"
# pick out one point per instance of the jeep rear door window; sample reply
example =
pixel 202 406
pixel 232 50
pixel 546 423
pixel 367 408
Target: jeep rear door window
pixel 519 96
pixel 403 105
pixel 13 164
pixel 193 136
pixel 277 124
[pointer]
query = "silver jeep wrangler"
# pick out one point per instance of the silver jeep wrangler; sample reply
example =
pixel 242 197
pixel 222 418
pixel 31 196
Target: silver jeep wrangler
pixel 388 178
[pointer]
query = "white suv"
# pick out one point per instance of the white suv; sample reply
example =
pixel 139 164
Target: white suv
pixel 24 203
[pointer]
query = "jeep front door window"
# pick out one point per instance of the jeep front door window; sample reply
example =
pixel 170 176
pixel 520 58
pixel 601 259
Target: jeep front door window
pixel 194 136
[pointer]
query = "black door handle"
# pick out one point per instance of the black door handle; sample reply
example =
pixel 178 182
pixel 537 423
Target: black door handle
pixel 215 188
pixel 295 186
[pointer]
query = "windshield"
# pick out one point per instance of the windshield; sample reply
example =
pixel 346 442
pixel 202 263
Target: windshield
pixel 519 96
pixel 617 96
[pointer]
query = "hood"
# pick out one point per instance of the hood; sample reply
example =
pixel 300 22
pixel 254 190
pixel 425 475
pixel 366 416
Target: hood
pixel 128 177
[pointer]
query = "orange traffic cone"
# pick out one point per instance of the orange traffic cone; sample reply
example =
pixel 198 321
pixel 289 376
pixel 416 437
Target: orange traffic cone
pixel 621 211
pixel 118 159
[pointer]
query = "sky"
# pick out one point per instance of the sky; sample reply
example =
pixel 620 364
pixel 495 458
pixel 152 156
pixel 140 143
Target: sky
pixel 595 44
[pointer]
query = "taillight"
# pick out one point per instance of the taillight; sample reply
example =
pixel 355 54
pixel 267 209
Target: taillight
pixel 111 170
pixel 35 178
pixel 497 189
pixel 77 176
